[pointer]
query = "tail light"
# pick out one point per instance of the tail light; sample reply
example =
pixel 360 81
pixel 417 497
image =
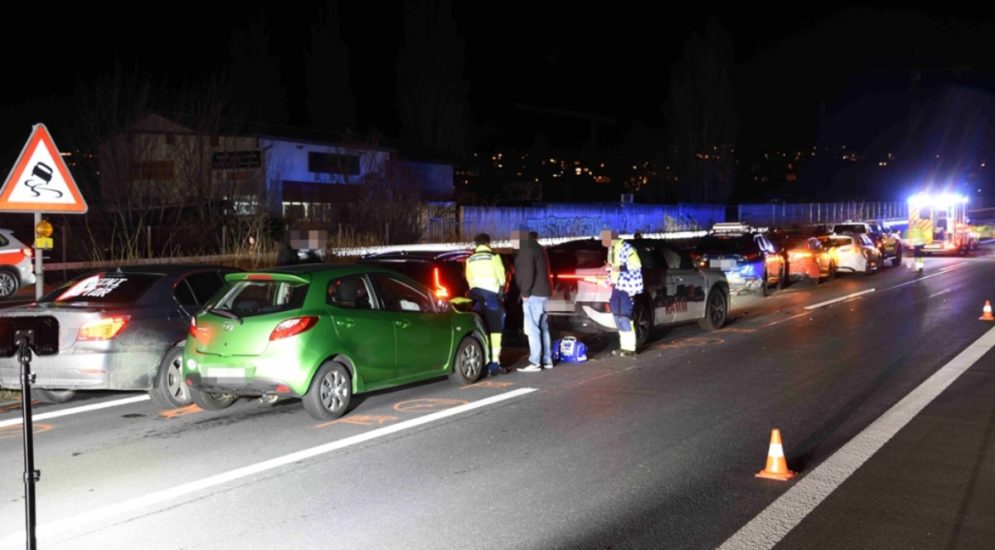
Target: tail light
pixel 293 327
pixel 800 255
pixel 698 260
pixel 440 290
pixel 752 256
pixel 103 329
pixel 28 252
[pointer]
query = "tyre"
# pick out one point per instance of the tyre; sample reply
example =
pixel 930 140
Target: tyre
pixel 330 392
pixel 212 401
pixel 832 272
pixel 782 277
pixel 897 260
pixel 764 289
pixel 468 363
pixel 642 322
pixel 8 283
pixel 168 390
pixel 52 396
pixel 716 309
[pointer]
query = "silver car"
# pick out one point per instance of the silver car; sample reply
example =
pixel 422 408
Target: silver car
pixel 121 329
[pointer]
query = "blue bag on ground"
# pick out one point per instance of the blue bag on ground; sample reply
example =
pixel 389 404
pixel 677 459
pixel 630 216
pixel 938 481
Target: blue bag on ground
pixel 569 350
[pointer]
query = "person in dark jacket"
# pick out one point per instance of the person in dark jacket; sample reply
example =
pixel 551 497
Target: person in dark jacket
pixel 533 279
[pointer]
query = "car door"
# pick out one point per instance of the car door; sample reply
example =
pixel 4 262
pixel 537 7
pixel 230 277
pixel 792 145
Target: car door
pixel 365 330
pixel 423 336
pixel 689 287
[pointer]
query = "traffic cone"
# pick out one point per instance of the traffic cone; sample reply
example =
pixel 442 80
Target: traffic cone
pixel 986 312
pixel 777 466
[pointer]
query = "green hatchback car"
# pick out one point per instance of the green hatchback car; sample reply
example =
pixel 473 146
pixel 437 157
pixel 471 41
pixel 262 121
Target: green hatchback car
pixel 324 333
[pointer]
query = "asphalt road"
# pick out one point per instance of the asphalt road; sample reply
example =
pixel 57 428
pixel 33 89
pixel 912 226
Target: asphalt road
pixel 657 452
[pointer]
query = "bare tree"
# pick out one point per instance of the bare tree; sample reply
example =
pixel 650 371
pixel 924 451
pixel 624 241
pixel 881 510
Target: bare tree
pixel 331 102
pixel 702 117
pixel 432 89
pixel 257 71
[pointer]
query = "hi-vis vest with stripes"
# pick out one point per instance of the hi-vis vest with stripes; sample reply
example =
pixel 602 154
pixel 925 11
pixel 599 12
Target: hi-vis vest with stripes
pixel 484 269
pixel 627 269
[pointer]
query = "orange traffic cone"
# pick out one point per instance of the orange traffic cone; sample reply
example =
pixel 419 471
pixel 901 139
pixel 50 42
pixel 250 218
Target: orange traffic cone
pixel 986 312
pixel 777 466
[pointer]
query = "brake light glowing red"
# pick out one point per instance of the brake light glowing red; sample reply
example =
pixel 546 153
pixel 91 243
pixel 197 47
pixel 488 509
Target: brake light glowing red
pixel 440 290
pixel 260 277
pixel 103 329
pixel 293 327
pixel 193 327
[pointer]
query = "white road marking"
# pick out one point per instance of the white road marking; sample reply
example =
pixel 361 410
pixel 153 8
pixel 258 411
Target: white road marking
pixel 785 513
pixel 924 277
pixel 128 508
pixel 940 293
pixel 77 410
pixel 840 299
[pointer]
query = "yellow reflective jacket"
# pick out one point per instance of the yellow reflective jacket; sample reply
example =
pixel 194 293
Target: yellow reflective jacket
pixel 484 269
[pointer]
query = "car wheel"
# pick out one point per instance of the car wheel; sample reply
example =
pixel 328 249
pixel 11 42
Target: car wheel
pixel 330 391
pixel 716 310
pixel 642 322
pixel 52 396
pixel 468 363
pixel 8 284
pixel 212 401
pixel 169 389
pixel 782 277
pixel 764 289
pixel 832 272
pixel 897 260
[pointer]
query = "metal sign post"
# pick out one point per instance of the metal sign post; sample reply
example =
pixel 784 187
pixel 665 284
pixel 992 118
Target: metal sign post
pixel 20 336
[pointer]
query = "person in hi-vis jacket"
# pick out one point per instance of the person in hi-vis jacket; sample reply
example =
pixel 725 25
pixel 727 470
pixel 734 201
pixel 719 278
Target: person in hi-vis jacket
pixel 626 281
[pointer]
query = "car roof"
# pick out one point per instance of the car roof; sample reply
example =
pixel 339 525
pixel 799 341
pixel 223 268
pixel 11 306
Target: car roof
pixel 421 255
pixel 167 269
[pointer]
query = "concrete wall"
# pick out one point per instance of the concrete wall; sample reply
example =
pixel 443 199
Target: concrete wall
pixel 560 220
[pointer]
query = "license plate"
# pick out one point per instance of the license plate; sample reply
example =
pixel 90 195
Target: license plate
pixel 727 264
pixel 226 373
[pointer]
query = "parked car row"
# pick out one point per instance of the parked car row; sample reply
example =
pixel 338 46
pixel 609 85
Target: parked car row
pixel 322 333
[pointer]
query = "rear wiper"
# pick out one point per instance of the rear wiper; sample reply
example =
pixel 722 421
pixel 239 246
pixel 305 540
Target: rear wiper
pixel 225 313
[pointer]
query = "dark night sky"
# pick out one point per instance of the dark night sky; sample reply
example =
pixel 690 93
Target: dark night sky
pixel 611 60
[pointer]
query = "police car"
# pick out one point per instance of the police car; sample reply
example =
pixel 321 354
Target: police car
pixel 676 290
pixel 749 259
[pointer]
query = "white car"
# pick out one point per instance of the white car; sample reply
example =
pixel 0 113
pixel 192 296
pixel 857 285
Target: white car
pixel 676 290
pixel 853 252
pixel 16 269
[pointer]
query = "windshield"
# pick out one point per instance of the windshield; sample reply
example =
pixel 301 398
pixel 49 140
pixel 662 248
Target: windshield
pixel 104 288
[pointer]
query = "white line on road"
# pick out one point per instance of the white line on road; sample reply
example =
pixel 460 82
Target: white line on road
pixel 840 299
pixel 785 513
pixel 127 508
pixel 940 293
pixel 924 277
pixel 77 410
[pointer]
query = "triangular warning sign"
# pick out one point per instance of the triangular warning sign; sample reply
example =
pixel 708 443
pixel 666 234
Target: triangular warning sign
pixel 40 180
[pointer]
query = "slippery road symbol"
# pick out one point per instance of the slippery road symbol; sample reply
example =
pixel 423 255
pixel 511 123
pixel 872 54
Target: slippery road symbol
pixel 42 172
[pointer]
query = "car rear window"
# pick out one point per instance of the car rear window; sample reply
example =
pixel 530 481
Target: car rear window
pixel 105 288
pixel 249 298
pixel 712 244
pixel 849 228
pixel 570 259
